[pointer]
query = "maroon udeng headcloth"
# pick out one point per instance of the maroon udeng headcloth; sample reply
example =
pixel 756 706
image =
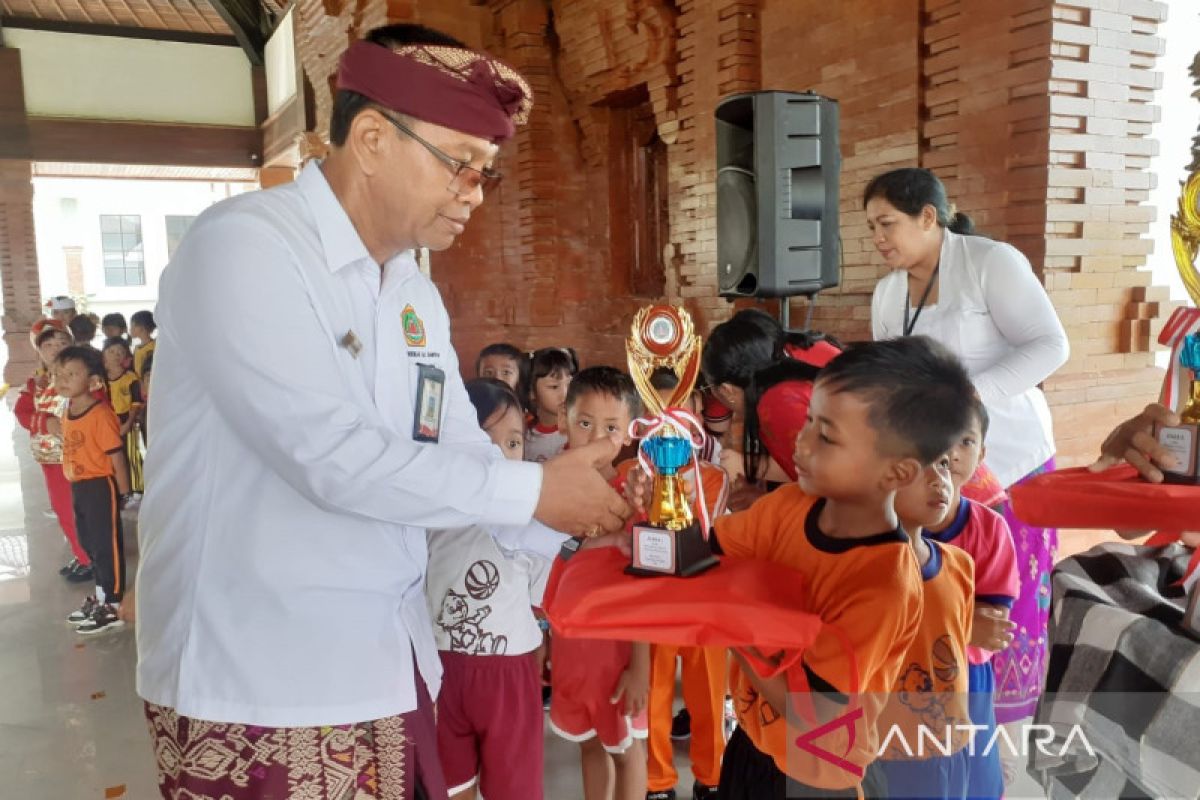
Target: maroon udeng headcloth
pixel 454 87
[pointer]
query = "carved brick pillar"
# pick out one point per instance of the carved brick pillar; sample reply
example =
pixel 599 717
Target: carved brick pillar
pixel 18 267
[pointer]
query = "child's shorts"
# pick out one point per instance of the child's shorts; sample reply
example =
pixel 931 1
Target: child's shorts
pixel 578 719
pixel 985 778
pixel 489 725
pixel 939 778
pixel 584 673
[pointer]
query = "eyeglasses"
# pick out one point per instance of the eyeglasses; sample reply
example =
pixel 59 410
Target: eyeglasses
pixel 466 178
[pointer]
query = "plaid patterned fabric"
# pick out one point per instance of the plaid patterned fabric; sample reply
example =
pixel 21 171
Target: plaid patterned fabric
pixel 1123 669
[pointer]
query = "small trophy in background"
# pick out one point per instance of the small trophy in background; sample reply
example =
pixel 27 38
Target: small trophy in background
pixel 1183 440
pixel 673 542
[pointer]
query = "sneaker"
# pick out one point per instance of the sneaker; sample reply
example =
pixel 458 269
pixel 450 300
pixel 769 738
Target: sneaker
pixel 84 612
pixel 669 794
pixel 81 574
pixel 104 618
pixel 681 725
pixel 68 567
pixel 702 792
pixel 50 513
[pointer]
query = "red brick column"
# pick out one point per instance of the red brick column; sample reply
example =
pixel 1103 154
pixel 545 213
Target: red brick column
pixel 18 268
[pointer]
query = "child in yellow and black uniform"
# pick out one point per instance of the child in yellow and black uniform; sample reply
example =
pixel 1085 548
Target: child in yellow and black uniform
pixel 125 395
pixel 94 463
pixel 141 329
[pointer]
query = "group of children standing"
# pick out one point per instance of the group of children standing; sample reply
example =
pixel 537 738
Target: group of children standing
pixel 912 582
pixel 84 408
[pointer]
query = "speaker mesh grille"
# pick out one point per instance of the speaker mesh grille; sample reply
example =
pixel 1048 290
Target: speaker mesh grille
pixel 737 242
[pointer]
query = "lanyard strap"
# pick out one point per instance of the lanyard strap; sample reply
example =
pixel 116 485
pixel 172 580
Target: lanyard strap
pixel 908 326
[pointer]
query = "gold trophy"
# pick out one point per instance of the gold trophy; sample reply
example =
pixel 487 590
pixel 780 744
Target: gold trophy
pixel 672 542
pixel 1183 440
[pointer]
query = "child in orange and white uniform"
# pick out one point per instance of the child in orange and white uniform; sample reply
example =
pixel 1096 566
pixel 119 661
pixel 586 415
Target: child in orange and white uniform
pixel 985 536
pixel 929 700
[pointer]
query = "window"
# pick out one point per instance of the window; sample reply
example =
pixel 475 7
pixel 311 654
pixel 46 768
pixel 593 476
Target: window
pixel 124 258
pixel 177 226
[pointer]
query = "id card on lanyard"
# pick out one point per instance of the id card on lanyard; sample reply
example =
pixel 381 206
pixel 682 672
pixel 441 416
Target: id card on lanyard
pixel 427 412
pixel 909 325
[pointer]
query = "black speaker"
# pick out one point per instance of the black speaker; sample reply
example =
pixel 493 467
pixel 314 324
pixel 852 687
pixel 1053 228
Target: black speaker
pixel 777 194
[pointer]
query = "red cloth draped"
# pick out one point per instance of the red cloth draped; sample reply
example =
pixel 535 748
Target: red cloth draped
pixel 743 602
pixel 1117 499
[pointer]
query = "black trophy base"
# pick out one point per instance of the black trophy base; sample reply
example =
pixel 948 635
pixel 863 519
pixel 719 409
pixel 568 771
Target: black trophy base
pixel 659 552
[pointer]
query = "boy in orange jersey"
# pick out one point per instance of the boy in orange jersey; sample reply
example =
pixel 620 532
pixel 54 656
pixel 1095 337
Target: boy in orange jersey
pixel 94 463
pixel 880 413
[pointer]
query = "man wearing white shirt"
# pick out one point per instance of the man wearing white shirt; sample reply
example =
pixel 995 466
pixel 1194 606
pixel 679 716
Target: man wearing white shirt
pixel 304 444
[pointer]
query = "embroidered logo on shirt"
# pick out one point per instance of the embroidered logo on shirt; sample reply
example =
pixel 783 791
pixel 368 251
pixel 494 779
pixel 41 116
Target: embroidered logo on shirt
pixel 414 329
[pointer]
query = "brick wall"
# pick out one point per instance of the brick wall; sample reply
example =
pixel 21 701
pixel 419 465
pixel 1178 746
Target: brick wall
pixel 865 54
pixel 1036 113
pixel 1101 95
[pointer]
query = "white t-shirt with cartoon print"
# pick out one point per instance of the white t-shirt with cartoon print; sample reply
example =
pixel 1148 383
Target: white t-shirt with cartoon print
pixel 481 595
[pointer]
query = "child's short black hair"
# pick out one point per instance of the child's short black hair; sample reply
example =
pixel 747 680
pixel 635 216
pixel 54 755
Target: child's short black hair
pixel 145 319
pixel 507 351
pixel 980 412
pixel 49 332
pixel 83 329
pixel 500 349
pixel 607 381
pixel 114 321
pixel 491 396
pixel 552 361
pixel 88 356
pixel 117 341
pixel 919 393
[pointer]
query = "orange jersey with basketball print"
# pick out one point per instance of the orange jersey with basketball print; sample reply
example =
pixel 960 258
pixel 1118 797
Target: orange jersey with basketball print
pixel 868 589
pixel 89 441
pixel 931 692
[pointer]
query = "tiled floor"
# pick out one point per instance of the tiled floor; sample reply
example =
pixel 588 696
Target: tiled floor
pixel 71 726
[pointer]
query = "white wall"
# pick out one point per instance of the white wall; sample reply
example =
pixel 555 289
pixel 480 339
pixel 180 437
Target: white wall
pixel 153 201
pixel 108 77
pixel 1180 120
pixel 280 64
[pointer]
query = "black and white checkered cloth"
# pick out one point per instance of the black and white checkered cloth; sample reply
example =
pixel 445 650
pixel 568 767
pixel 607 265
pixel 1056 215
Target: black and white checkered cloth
pixel 1123 669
